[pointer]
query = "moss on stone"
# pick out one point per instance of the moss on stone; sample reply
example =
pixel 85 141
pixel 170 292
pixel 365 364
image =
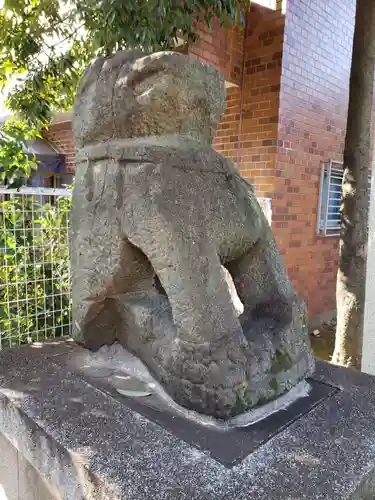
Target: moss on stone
pixel 242 404
pixel 274 384
pixel 281 361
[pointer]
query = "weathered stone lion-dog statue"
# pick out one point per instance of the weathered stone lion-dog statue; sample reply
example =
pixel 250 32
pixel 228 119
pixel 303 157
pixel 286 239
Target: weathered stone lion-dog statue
pixel 156 215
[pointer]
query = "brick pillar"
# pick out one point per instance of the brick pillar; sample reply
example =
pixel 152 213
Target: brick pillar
pixel 314 93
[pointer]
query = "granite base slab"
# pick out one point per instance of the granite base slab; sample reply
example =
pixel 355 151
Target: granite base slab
pixel 87 443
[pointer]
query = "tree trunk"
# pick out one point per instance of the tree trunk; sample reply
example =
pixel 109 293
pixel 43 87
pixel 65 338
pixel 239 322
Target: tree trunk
pixel 350 292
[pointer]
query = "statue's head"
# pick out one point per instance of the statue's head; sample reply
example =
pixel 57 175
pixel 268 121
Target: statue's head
pixel 135 95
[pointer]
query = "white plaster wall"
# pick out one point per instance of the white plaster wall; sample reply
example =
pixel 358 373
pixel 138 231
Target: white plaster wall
pixel 265 203
pixel 368 345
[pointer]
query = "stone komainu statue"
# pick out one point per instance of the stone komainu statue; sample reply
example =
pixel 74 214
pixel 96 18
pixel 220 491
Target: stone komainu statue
pixel 156 215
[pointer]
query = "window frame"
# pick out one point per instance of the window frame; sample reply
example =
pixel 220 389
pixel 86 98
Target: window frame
pixel 327 167
pixel 324 198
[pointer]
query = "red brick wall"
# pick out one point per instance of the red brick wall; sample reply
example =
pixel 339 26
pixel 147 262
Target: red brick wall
pixel 294 107
pixel 261 87
pixel 312 122
pixel 227 139
pixel 224 50
pixel 60 136
pixel 252 141
pixel 221 48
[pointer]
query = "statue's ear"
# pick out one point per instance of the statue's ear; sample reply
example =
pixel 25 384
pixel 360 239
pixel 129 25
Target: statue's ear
pixel 148 66
pixel 103 65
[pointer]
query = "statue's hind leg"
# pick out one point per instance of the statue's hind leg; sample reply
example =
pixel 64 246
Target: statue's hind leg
pixel 261 283
pixel 274 320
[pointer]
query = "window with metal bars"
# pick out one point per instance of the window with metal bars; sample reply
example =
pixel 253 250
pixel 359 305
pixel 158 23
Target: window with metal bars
pixel 330 198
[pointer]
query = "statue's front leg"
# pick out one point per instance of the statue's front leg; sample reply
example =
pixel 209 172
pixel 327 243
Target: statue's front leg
pixel 205 367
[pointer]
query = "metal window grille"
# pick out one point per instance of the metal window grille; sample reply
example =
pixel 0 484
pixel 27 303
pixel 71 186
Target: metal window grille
pixel 330 199
pixel 35 301
pixel 329 219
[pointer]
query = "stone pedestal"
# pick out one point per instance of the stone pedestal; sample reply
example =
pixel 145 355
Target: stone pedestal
pixel 78 440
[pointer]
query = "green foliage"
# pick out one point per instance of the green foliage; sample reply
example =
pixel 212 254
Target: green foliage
pixel 46 44
pixel 34 270
pixel 44 52
pixel 151 24
pixel 16 164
